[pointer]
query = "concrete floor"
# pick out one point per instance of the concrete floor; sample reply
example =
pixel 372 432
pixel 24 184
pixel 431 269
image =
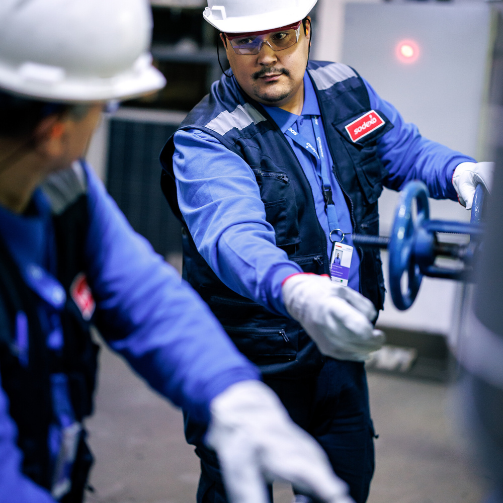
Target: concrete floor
pixel 142 457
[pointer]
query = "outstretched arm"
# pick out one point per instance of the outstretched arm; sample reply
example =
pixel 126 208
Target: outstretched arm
pixel 220 200
pixel 149 315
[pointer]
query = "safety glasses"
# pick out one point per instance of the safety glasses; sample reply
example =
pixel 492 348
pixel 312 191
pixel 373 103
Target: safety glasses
pixel 278 39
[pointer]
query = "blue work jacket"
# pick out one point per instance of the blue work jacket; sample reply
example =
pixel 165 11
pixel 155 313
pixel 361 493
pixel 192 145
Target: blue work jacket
pixel 143 310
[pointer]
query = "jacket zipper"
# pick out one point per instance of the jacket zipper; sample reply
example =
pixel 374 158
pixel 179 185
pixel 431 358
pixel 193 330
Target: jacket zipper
pixel 283 334
pixel 279 176
pixel 308 259
pixel 280 332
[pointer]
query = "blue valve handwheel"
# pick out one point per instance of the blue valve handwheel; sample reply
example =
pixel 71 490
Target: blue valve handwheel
pixel 401 260
pixel 478 204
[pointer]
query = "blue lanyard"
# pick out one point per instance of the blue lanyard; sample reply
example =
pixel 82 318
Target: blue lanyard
pixel 321 170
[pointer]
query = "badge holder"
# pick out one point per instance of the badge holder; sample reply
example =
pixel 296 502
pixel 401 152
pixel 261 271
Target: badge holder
pixel 340 260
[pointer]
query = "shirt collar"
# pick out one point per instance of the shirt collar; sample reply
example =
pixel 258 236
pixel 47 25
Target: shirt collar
pixel 311 106
pixel 285 119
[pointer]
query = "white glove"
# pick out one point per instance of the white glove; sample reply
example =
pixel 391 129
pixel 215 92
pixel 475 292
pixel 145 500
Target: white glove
pixel 467 176
pixel 337 318
pixel 257 442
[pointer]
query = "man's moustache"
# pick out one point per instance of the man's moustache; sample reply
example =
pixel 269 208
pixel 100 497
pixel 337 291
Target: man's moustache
pixel 270 71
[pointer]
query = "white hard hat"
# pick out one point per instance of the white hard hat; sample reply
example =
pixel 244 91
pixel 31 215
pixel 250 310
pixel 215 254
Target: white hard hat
pixel 76 50
pixel 244 16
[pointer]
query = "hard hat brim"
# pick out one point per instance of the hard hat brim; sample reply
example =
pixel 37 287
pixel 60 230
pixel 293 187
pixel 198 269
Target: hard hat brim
pixel 259 22
pixel 141 80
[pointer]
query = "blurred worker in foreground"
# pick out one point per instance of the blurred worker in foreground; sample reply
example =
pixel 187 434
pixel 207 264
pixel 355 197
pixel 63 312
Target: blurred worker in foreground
pixel 479 390
pixel 271 174
pixel 477 335
pixel 69 259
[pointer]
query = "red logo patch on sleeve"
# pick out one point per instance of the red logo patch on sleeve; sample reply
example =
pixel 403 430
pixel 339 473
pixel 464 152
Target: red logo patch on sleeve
pixel 82 296
pixel 364 125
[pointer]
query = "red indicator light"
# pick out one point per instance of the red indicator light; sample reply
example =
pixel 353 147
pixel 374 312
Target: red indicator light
pixel 407 51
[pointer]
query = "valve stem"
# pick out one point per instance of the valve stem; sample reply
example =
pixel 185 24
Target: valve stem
pixel 365 241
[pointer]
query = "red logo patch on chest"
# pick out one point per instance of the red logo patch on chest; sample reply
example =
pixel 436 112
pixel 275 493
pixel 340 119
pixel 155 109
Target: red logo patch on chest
pixel 364 125
pixel 82 296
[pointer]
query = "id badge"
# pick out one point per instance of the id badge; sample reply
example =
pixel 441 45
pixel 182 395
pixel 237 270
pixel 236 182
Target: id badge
pixel 70 437
pixel 340 262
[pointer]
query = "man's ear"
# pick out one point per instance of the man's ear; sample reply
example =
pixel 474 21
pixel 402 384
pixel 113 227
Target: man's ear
pixel 308 28
pixel 223 38
pixel 48 136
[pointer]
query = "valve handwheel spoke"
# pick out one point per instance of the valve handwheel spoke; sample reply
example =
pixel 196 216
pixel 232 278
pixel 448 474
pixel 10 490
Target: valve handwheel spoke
pixel 401 260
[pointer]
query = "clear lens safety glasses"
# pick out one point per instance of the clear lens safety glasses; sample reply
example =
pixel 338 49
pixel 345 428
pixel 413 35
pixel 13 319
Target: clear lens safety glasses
pixel 278 39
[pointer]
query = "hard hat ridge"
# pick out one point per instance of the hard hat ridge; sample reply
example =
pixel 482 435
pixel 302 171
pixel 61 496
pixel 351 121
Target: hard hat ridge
pixel 244 16
pixel 76 51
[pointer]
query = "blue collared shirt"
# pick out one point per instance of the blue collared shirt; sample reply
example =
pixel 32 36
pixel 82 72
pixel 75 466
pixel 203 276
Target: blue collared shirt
pixel 303 124
pixel 220 199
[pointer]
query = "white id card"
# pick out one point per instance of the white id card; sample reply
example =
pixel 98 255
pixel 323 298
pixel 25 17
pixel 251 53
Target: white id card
pixel 340 262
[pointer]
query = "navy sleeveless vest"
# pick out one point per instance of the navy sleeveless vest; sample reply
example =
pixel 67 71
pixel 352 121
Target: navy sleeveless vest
pixel 278 345
pixel 28 388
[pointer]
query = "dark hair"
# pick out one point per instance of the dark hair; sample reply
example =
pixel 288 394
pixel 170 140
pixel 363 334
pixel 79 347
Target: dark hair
pixel 19 116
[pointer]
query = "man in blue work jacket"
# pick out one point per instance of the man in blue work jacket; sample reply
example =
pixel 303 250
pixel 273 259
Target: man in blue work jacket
pixel 271 174
pixel 69 259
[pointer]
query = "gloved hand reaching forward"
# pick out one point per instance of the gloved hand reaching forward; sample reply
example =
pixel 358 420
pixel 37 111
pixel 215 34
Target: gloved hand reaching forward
pixel 467 176
pixel 336 317
pixel 256 442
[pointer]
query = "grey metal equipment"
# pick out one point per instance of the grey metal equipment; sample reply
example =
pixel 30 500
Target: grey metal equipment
pixel 479 337
pixel 414 245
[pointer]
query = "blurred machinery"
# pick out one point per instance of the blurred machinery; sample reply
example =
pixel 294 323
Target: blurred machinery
pixel 135 138
pixel 477 336
pixel 432 61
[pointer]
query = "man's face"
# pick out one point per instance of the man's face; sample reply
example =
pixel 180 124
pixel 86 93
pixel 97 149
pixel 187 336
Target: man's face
pixel 270 77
